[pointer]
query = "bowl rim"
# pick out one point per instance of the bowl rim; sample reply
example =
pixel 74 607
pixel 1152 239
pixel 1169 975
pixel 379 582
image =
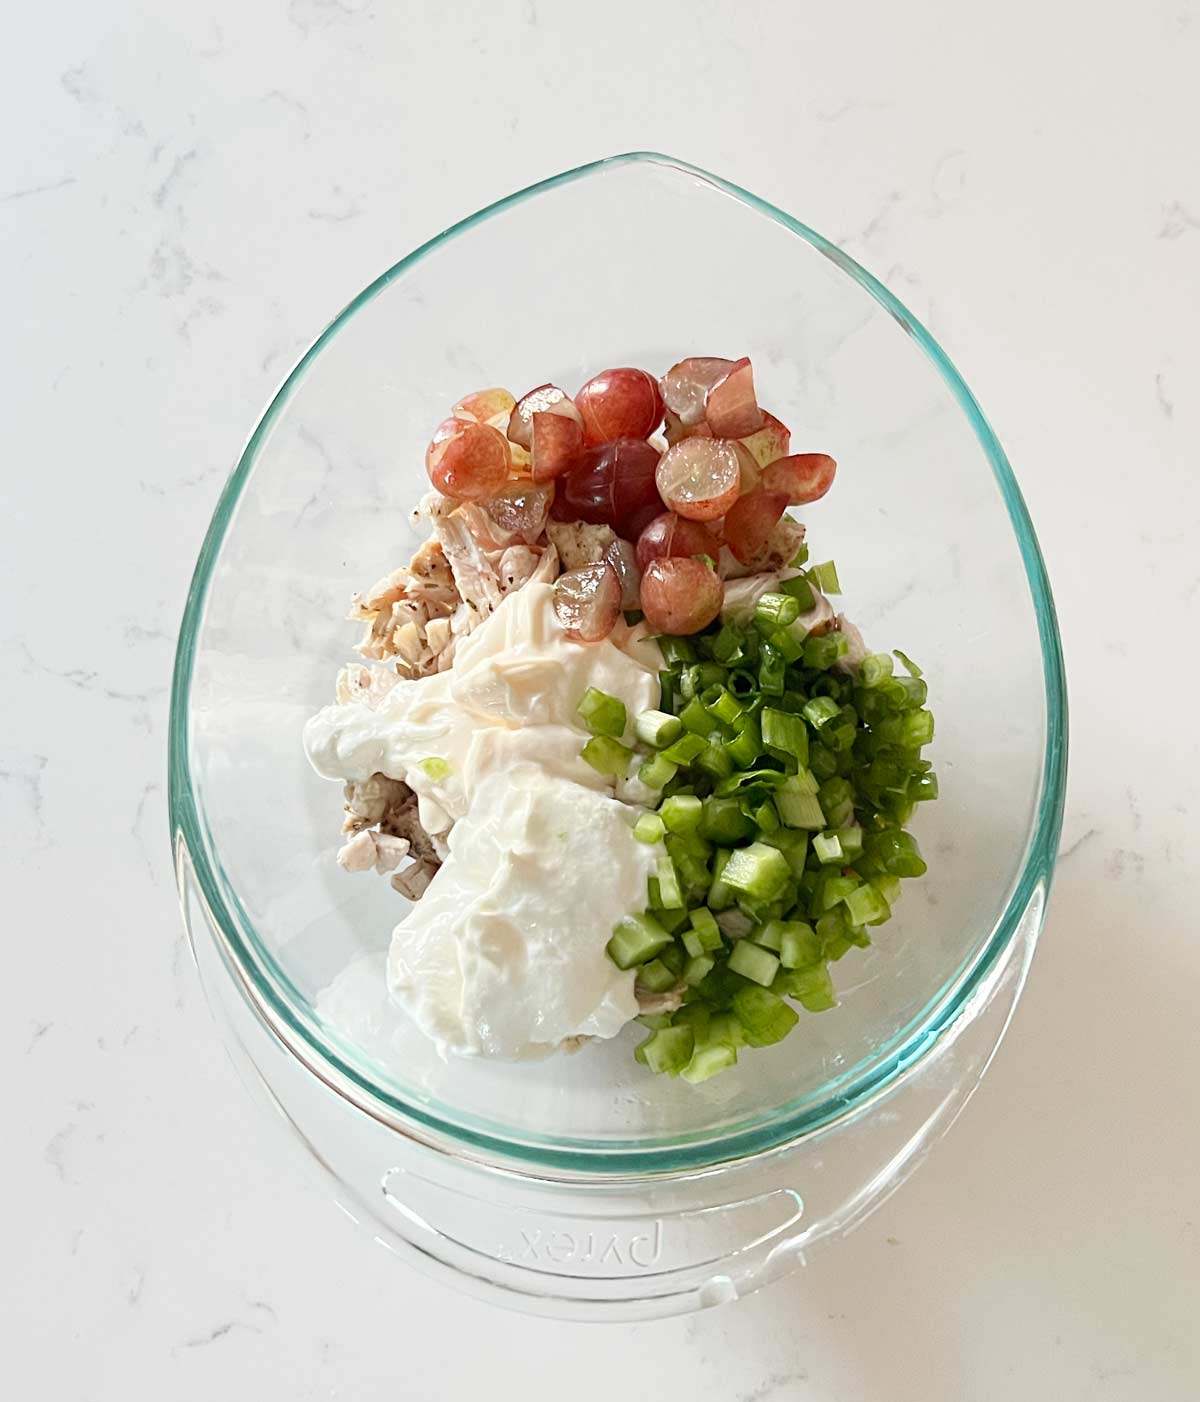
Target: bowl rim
pixel 605 1159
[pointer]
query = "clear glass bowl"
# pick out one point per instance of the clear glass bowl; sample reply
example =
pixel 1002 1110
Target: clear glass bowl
pixel 635 260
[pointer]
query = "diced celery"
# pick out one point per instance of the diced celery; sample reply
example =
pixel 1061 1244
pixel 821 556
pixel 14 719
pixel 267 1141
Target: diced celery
pixel 800 947
pixel 754 962
pixel 697 968
pixel 705 927
pixel 764 1016
pixel 601 713
pixel 864 905
pixel 681 813
pixel 723 822
pixel 674 957
pixel 655 977
pixel 607 756
pixel 798 807
pixel 668 1050
pixel 707 1062
pixel 813 988
pixel 637 939
pixel 649 828
pixel 828 848
pixel 670 894
pixel 770 936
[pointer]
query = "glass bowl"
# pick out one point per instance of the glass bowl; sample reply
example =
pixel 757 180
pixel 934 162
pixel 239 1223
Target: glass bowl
pixel 640 259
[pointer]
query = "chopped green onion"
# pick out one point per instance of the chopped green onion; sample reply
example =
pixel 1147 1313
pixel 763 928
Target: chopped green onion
pixel 888 887
pixel 649 828
pixel 668 685
pixel 772 669
pixel 786 734
pixel 670 895
pixel 681 813
pixel 789 641
pixel 798 807
pixel 746 745
pixel 607 756
pixel 685 749
pixel 723 822
pixel 601 713
pixel 654 1021
pixel 766 817
pixel 824 650
pixel 658 772
pixel 749 778
pixel 918 728
pixel 800 589
pixel 913 669
pixel 723 705
pixel 759 871
pixel 720 895
pixel 851 838
pixel 828 848
pixel 655 977
pixel 896 851
pixel 923 787
pixel 637 939
pixel 657 728
pixel 754 962
pixel 821 709
pixel 837 801
pixel 707 1062
pixel 668 1050
pixel 715 762
pixel 793 843
pixel 874 668
pixel 676 651
pixel 437 768
pixel 776 610
pixel 743 684
pixel 825 576
pixel 695 718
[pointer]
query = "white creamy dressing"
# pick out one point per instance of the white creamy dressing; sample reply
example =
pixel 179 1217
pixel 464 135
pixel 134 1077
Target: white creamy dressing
pixel 504 955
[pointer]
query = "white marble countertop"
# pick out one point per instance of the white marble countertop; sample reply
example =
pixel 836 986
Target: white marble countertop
pixel 186 194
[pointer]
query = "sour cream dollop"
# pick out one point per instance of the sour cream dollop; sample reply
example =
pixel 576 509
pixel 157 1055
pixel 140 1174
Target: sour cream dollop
pixel 504 955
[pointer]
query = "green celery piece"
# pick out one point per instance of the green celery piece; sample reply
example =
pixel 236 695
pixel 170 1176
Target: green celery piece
pixel 636 940
pixel 669 1050
pixel 655 977
pixel 707 1062
pixel 649 828
pixel 754 962
pixel 800 947
pixel 601 713
pixel 681 813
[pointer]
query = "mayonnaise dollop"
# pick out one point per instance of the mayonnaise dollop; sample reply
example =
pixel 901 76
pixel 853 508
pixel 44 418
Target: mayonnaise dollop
pixel 504 955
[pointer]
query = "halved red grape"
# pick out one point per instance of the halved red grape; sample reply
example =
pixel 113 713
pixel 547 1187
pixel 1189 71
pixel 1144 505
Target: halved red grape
pixel 770 442
pixel 804 477
pixel 486 406
pixel 556 441
pixel 731 410
pixel 699 477
pixel 750 521
pixel 637 521
pixel 669 536
pixel 520 508
pixel 611 483
pixel 546 399
pixel 622 558
pixel 674 428
pixel 685 386
pixel 621 403
pixel 749 476
pixel 467 461
pixel 680 595
pixel 587 602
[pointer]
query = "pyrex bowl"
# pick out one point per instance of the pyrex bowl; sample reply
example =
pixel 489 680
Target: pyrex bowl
pixel 581 1183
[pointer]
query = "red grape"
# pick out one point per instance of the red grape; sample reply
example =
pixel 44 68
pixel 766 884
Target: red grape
pixel 680 596
pixel 622 403
pixel 804 477
pixel 749 523
pixel 685 386
pixel 556 444
pixel 674 428
pixel 521 509
pixel 611 483
pixel 749 476
pixel 587 602
pixel 486 406
pixel 731 410
pixel 670 535
pixel 769 442
pixel 547 399
pixel 699 477
pixel 467 461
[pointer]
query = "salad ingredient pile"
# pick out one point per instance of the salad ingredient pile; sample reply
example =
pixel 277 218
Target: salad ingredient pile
pixel 613 738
